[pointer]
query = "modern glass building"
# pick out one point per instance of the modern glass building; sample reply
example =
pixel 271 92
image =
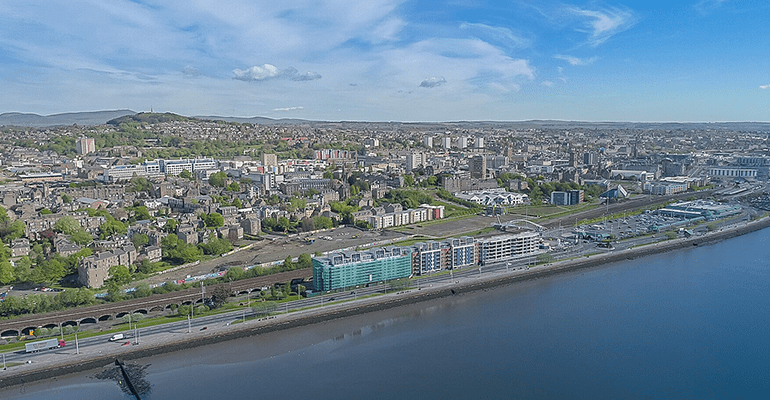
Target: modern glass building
pixel 346 269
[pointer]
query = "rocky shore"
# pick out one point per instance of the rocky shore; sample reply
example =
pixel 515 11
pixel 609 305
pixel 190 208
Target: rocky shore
pixel 10 378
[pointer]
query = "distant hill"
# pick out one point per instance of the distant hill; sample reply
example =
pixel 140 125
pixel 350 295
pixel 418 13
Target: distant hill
pixel 80 118
pixel 149 118
pixel 257 120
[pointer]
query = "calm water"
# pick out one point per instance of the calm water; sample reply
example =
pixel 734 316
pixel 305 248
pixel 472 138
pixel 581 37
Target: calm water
pixel 687 324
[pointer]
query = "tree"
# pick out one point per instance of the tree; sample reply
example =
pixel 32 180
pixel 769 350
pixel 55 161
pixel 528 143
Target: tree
pixel 139 240
pixel 81 237
pixel 189 254
pixel 283 224
pixel 408 180
pixel 234 273
pixel 216 246
pixel 171 225
pixel 321 222
pixel 66 198
pixel 214 220
pixel 120 275
pixel 218 179
pixel 6 272
pixel 185 174
pixel 234 187
pixel 10 231
pixel 304 261
pixel 288 263
pixel 141 213
pixel 220 295
pixel 66 225
pixel 111 227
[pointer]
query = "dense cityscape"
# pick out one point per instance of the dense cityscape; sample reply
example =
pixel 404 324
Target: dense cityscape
pixel 149 204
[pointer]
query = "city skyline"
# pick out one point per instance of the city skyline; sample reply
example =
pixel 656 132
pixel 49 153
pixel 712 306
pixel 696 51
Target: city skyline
pixel 391 60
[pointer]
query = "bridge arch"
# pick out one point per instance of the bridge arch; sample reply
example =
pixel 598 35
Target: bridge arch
pixel 69 323
pixel 27 330
pixel 88 320
pixel 9 333
pixel 521 224
pixel 50 326
pixel 140 311
pixel 157 308
pixel 121 314
pixel 105 317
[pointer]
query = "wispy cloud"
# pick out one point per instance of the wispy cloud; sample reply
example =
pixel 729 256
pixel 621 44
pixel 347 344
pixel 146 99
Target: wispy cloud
pixel 289 108
pixel 548 83
pixel 433 82
pixel 765 87
pixel 604 23
pixel 705 6
pixel 268 71
pixel 575 60
pixel 499 35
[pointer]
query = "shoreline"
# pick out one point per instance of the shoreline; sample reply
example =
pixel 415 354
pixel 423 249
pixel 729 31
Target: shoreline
pixel 379 303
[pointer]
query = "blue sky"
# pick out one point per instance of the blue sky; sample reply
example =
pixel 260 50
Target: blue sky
pixel 380 60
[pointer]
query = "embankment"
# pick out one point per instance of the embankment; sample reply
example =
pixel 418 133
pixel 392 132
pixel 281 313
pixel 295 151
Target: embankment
pixel 381 303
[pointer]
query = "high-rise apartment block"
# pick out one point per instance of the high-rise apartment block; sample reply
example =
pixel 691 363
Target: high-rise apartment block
pixel 85 146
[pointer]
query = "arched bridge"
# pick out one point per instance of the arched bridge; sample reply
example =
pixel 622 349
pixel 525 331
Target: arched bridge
pixel 82 316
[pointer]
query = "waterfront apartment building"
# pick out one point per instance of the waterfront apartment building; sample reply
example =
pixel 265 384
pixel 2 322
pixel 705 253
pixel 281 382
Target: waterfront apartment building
pixel 429 257
pixel 448 254
pixel 347 269
pixel 508 247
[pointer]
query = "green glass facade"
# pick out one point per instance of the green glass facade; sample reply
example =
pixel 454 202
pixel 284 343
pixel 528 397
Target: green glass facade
pixel 340 270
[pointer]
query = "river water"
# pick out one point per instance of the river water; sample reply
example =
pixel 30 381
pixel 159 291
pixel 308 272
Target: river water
pixel 686 324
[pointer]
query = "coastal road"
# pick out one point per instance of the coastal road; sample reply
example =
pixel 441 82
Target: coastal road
pixel 179 331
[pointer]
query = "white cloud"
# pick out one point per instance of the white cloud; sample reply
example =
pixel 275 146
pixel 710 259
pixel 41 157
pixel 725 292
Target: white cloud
pixel 603 24
pixel 257 73
pixel 289 108
pixel 574 61
pixel 269 71
pixel 765 87
pixel 191 71
pixel 547 83
pixel 433 82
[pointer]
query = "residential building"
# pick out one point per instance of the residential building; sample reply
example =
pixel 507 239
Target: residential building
pixel 508 247
pixel 348 269
pixel 94 270
pixel 85 146
pixel 478 167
